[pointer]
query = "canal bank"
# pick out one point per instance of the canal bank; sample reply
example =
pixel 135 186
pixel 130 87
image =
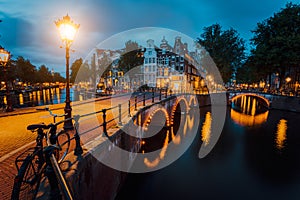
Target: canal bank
pixel 285 103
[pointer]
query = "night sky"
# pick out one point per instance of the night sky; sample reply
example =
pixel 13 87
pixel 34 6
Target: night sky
pixel 27 28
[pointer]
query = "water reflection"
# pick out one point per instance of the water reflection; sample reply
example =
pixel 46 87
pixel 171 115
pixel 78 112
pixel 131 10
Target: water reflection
pixel 40 97
pixel 248 120
pixel 206 129
pixel 281 134
pixel 161 156
pixel 170 138
pixel 176 139
pixel 248 111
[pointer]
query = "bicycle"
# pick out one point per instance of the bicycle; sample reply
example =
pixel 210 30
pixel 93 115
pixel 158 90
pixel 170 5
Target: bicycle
pixel 43 159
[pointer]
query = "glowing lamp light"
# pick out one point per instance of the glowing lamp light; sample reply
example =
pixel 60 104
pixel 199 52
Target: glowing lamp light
pixel 288 79
pixel 4 56
pixel 67 28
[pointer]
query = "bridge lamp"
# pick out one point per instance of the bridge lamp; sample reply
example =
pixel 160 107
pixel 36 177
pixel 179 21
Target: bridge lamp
pixel 67 30
pixel 288 79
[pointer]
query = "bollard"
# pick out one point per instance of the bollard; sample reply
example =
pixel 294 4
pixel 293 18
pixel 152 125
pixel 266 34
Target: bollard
pixel 104 122
pixel 144 99
pixel 152 96
pixel 120 115
pixel 78 149
pixel 135 103
pixel 159 94
pixel 129 108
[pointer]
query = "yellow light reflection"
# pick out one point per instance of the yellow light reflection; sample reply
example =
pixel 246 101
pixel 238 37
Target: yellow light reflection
pixel 206 129
pixel 162 154
pixel 281 133
pixel 253 110
pixel 44 96
pixel 38 96
pixel 21 99
pixel 176 139
pixel 57 92
pixel 248 120
pixel 248 103
pixel 34 96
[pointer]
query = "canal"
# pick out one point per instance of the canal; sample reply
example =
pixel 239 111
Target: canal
pixel 256 157
pixel 47 96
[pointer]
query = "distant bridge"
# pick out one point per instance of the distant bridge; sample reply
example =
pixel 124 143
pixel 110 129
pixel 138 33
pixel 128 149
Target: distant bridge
pixel 266 98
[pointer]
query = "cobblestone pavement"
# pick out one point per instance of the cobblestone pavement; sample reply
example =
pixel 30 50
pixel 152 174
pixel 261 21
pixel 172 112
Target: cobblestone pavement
pixel 14 138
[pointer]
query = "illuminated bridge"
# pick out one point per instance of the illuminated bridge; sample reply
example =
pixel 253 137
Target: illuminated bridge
pixel 265 98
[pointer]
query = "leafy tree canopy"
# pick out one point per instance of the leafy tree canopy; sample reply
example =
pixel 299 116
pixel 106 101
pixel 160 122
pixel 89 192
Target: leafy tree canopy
pixel 277 42
pixel 225 47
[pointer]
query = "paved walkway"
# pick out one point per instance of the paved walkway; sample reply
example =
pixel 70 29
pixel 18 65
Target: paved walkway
pixel 14 138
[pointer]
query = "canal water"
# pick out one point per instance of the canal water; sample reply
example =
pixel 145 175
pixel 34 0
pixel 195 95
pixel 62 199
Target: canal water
pixel 256 157
pixel 46 97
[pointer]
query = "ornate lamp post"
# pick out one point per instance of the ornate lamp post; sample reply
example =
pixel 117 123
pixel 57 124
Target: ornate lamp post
pixel 67 29
pixel 4 58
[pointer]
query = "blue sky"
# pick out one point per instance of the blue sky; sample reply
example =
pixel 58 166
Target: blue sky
pixel 28 27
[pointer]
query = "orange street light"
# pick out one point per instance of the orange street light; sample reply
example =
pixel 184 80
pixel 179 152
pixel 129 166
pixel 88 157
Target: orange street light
pixel 4 57
pixel 67 30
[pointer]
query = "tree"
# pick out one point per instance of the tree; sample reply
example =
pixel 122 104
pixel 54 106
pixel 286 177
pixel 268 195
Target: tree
pixel 44 74
pixel 277 42
pixel 105 64
pixel 25 71
pixel 226 48
pixel 58 78
pixel 131 57
pixel 248 72
pixel 80 71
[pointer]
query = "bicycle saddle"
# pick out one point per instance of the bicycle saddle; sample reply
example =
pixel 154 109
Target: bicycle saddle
pixel 36 126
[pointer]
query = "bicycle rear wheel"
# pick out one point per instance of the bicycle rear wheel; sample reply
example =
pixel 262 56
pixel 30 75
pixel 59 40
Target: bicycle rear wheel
pixel 63 143
pixel 27 181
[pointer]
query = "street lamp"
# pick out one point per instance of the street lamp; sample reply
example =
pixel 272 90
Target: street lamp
pixel 4 58
pixel 67 30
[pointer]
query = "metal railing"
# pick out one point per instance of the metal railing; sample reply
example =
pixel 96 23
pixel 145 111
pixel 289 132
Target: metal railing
pixel 133 103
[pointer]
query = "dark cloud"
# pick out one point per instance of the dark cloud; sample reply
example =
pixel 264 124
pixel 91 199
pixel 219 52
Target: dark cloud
pixel 36 37
pixel 16 32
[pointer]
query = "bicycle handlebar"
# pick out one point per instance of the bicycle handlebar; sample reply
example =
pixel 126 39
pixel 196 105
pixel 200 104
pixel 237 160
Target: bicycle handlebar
pixel 50 112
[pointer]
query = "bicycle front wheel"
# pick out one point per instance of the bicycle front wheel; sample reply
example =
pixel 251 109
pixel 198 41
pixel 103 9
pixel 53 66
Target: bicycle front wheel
pixel 27 181
pixel 63 143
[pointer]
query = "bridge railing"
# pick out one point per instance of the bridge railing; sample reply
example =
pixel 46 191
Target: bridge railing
pixel 133 104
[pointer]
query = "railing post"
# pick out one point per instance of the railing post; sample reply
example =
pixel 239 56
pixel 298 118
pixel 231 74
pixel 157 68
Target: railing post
pixel 50 173
pixel 129 108
pixel 78 149
pixel 104 122
pixel 144 99
pixel 120 114
pixel 152 96
pixel 135 103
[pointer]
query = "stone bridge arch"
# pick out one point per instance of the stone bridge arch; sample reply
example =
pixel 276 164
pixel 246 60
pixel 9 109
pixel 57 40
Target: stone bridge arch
pixel 263 98
pixel 154 111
